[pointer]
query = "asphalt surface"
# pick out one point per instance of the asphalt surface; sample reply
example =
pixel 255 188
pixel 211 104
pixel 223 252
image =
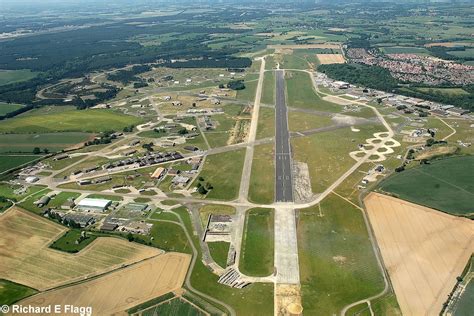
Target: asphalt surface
pixel 283 177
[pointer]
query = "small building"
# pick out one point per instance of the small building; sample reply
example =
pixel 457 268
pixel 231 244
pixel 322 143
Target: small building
pixel 173 172
pixel 68 205
pixel 90 169
pixel 190 148
pixel 137 227
pixel 102 179
pixel 134 142
pixel 44 200
pixel 84 182
pixel 180 180
pixel 108 227
pixel 129 152
pixel 158 173
pixel 61 157
pixel 166 98
pixel 90 204
pixel 457 111
pixel 31 179
pixel 177 103
pixel 81 220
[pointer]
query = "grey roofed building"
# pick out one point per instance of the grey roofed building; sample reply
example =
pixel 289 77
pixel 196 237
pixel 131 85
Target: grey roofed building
pixel 83 220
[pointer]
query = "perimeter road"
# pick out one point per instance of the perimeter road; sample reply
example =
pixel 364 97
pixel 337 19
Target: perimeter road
pixel 283 179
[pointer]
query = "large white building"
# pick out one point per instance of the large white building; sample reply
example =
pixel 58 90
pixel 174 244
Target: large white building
pixel 89 204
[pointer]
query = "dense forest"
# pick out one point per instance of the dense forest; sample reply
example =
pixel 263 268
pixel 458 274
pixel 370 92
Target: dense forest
pixel 380 78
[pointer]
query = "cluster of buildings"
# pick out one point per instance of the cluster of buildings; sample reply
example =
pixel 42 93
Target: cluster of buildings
pixel 416 68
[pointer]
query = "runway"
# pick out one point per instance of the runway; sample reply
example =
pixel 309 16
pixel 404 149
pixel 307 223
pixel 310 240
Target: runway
pixel 283 177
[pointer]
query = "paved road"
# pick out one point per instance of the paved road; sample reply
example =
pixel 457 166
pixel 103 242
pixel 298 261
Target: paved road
pixel 283 179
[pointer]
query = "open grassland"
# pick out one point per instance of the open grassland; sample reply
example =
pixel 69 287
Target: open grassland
pixel 13 76
pixel 444 184
pixel 327 153
pixel 266 123
pixel 301 94
pixel 113 293
pixel 465 305
pixel 268 90
pixel 298 59
pixel 54 142
pixel 25 258
pixel 163 232
pixel 223 171
pixel 248 94
pixel 423 250
pixel 262 180
pixel 299 121
pixel 6 108
pixel 256 257
pixel 90 120
pixel 337 262
pixel 219 251
pixel 8 162
pixel 256 299
pixel 11 292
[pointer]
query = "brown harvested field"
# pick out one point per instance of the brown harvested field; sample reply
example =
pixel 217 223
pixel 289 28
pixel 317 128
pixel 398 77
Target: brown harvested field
pixel 326 59
pixel 450 44
pixel 423 250
pixel 120 290
pixel 26 259
pixel 306 46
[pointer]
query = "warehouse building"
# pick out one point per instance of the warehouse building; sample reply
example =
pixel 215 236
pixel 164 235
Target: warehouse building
pixel 89 204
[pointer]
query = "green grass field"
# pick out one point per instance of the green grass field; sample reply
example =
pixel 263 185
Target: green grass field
pixel 337 262
pixel 465 306
pixel 54 142
pixel 300 93
pixel 6 108
pixel 91 120
pixel 219 251
pixel 262 179
pixel 223 171
pixel 327 153
pixel 8 162
pixel 12 76
pixel 11 292
pixel 256 257
pixel 248 94
pixel 299 121
pixel 445 185
pixel 266 123
pixel 67 242
pixel 405 50
pixel 268 89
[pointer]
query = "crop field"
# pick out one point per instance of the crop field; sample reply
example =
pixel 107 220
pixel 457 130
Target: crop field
pixel 223 171
pixel 256 257
pixel 6 108
pixel 25 143
pixel 337 263
pixel 327 153
pixel 25 258
pixel 405 50
pixel 262 180
pixel 325 59
pixel 423 250
pixel 444 184
pixel 174 307
pixel 112 293
pixel 91 120
pixel 300 94
pixel 8 162
pixel 12 76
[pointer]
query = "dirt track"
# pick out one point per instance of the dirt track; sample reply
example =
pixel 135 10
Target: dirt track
pixel 121 290
pixel 423 250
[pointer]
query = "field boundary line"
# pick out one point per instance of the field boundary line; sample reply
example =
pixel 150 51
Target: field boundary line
pixel 454 131
pixel 347 200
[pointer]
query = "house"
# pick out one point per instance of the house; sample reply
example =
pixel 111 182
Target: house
pixel 90 204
